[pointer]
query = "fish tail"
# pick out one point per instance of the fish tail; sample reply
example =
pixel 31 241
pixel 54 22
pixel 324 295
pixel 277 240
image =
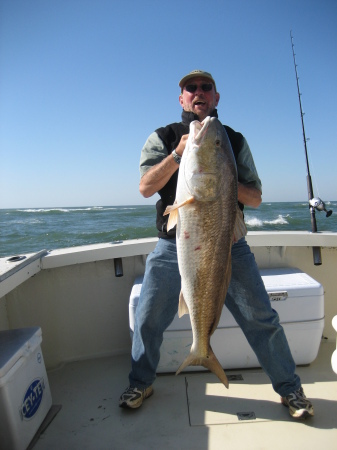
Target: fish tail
pixel 210 362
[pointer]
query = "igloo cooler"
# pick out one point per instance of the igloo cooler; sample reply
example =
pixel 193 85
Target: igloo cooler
pixel 298 299
pixel 25 397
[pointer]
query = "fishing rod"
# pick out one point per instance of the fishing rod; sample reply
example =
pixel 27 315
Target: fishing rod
pixel 314 202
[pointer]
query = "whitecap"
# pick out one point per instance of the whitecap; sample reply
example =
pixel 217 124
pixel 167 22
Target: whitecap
pixel 43 210
pixel 253 222
pixel 279 221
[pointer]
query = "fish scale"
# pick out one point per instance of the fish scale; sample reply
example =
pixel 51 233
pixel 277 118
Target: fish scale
pixel 207 217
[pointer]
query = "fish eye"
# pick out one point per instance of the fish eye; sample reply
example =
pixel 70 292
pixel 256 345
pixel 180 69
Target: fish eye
pixel 218 142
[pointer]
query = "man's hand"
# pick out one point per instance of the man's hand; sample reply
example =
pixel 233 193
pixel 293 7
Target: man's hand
pixel 182 144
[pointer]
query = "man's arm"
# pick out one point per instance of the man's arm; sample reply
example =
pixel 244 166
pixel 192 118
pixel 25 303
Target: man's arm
pixel 249 186
pixel 158 175
pixel 249 195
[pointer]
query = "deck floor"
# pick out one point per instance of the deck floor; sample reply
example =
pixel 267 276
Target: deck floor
pixel 189 411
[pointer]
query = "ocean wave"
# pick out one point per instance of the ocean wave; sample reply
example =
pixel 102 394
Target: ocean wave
pixel 279 221
pixel 255 222
pixel 59 227
pixel 67 210
pixel 43 210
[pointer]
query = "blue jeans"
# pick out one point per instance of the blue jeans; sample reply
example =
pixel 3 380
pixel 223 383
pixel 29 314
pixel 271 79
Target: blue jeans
pixel 246 299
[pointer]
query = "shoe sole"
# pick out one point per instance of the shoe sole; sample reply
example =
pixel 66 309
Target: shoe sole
pixel 301 414
pixel 136 404
pixel 298 414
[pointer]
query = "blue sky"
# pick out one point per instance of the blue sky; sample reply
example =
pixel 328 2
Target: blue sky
pixel 83 83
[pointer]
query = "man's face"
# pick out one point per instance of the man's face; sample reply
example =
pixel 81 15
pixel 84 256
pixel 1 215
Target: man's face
pixel 201 102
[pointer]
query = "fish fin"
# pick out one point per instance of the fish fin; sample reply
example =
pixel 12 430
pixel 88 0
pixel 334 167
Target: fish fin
pixel 176 205
pixel 240 229
pixel 172 210
pixel 210 362
pixel 172 220
pixel 183 308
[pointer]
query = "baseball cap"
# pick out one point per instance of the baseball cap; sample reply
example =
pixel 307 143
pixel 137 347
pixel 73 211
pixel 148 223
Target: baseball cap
pixel 196 73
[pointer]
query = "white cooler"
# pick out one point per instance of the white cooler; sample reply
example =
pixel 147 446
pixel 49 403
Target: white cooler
pixel 25 397
pixel 298 299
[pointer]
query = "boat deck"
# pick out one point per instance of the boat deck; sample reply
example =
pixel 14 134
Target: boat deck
pixel 190 411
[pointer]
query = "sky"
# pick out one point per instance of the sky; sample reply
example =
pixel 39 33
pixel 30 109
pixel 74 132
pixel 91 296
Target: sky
pixel 83 83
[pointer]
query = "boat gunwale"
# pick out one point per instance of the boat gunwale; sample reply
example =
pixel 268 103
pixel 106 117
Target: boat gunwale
pixel 133 247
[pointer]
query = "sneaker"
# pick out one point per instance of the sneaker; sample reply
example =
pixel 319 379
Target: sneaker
pixel 299 406
pixel 133 397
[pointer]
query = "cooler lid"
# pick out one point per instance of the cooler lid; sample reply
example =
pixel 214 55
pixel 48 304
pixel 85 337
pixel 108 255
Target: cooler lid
pixel 293 280
pixel 15 343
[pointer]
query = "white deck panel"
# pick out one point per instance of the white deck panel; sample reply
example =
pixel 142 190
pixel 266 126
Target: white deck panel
pixel 201 417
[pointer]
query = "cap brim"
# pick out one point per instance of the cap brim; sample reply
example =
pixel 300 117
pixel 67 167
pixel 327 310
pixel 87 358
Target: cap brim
pixel 183 81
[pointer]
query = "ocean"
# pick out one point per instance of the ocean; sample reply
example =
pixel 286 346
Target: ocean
pixel 32 229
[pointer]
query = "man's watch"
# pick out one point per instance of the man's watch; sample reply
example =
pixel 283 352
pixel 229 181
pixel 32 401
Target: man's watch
pixel 176 157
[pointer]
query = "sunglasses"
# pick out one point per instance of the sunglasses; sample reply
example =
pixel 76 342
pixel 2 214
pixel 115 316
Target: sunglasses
pixel 206 87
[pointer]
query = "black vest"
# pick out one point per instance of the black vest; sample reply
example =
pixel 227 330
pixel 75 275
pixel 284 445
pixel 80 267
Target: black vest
pixel 171 135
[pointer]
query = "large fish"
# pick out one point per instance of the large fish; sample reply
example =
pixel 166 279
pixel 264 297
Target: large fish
pixel 208 220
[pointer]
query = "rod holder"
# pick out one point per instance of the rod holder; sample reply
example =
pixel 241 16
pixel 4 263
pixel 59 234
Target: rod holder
pixel 118 267
pixel 316 253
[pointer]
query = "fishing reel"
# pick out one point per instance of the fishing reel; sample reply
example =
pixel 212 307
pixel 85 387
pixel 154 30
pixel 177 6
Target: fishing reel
pixel 318 204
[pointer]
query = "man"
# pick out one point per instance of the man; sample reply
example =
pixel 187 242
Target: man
pixel 246 298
